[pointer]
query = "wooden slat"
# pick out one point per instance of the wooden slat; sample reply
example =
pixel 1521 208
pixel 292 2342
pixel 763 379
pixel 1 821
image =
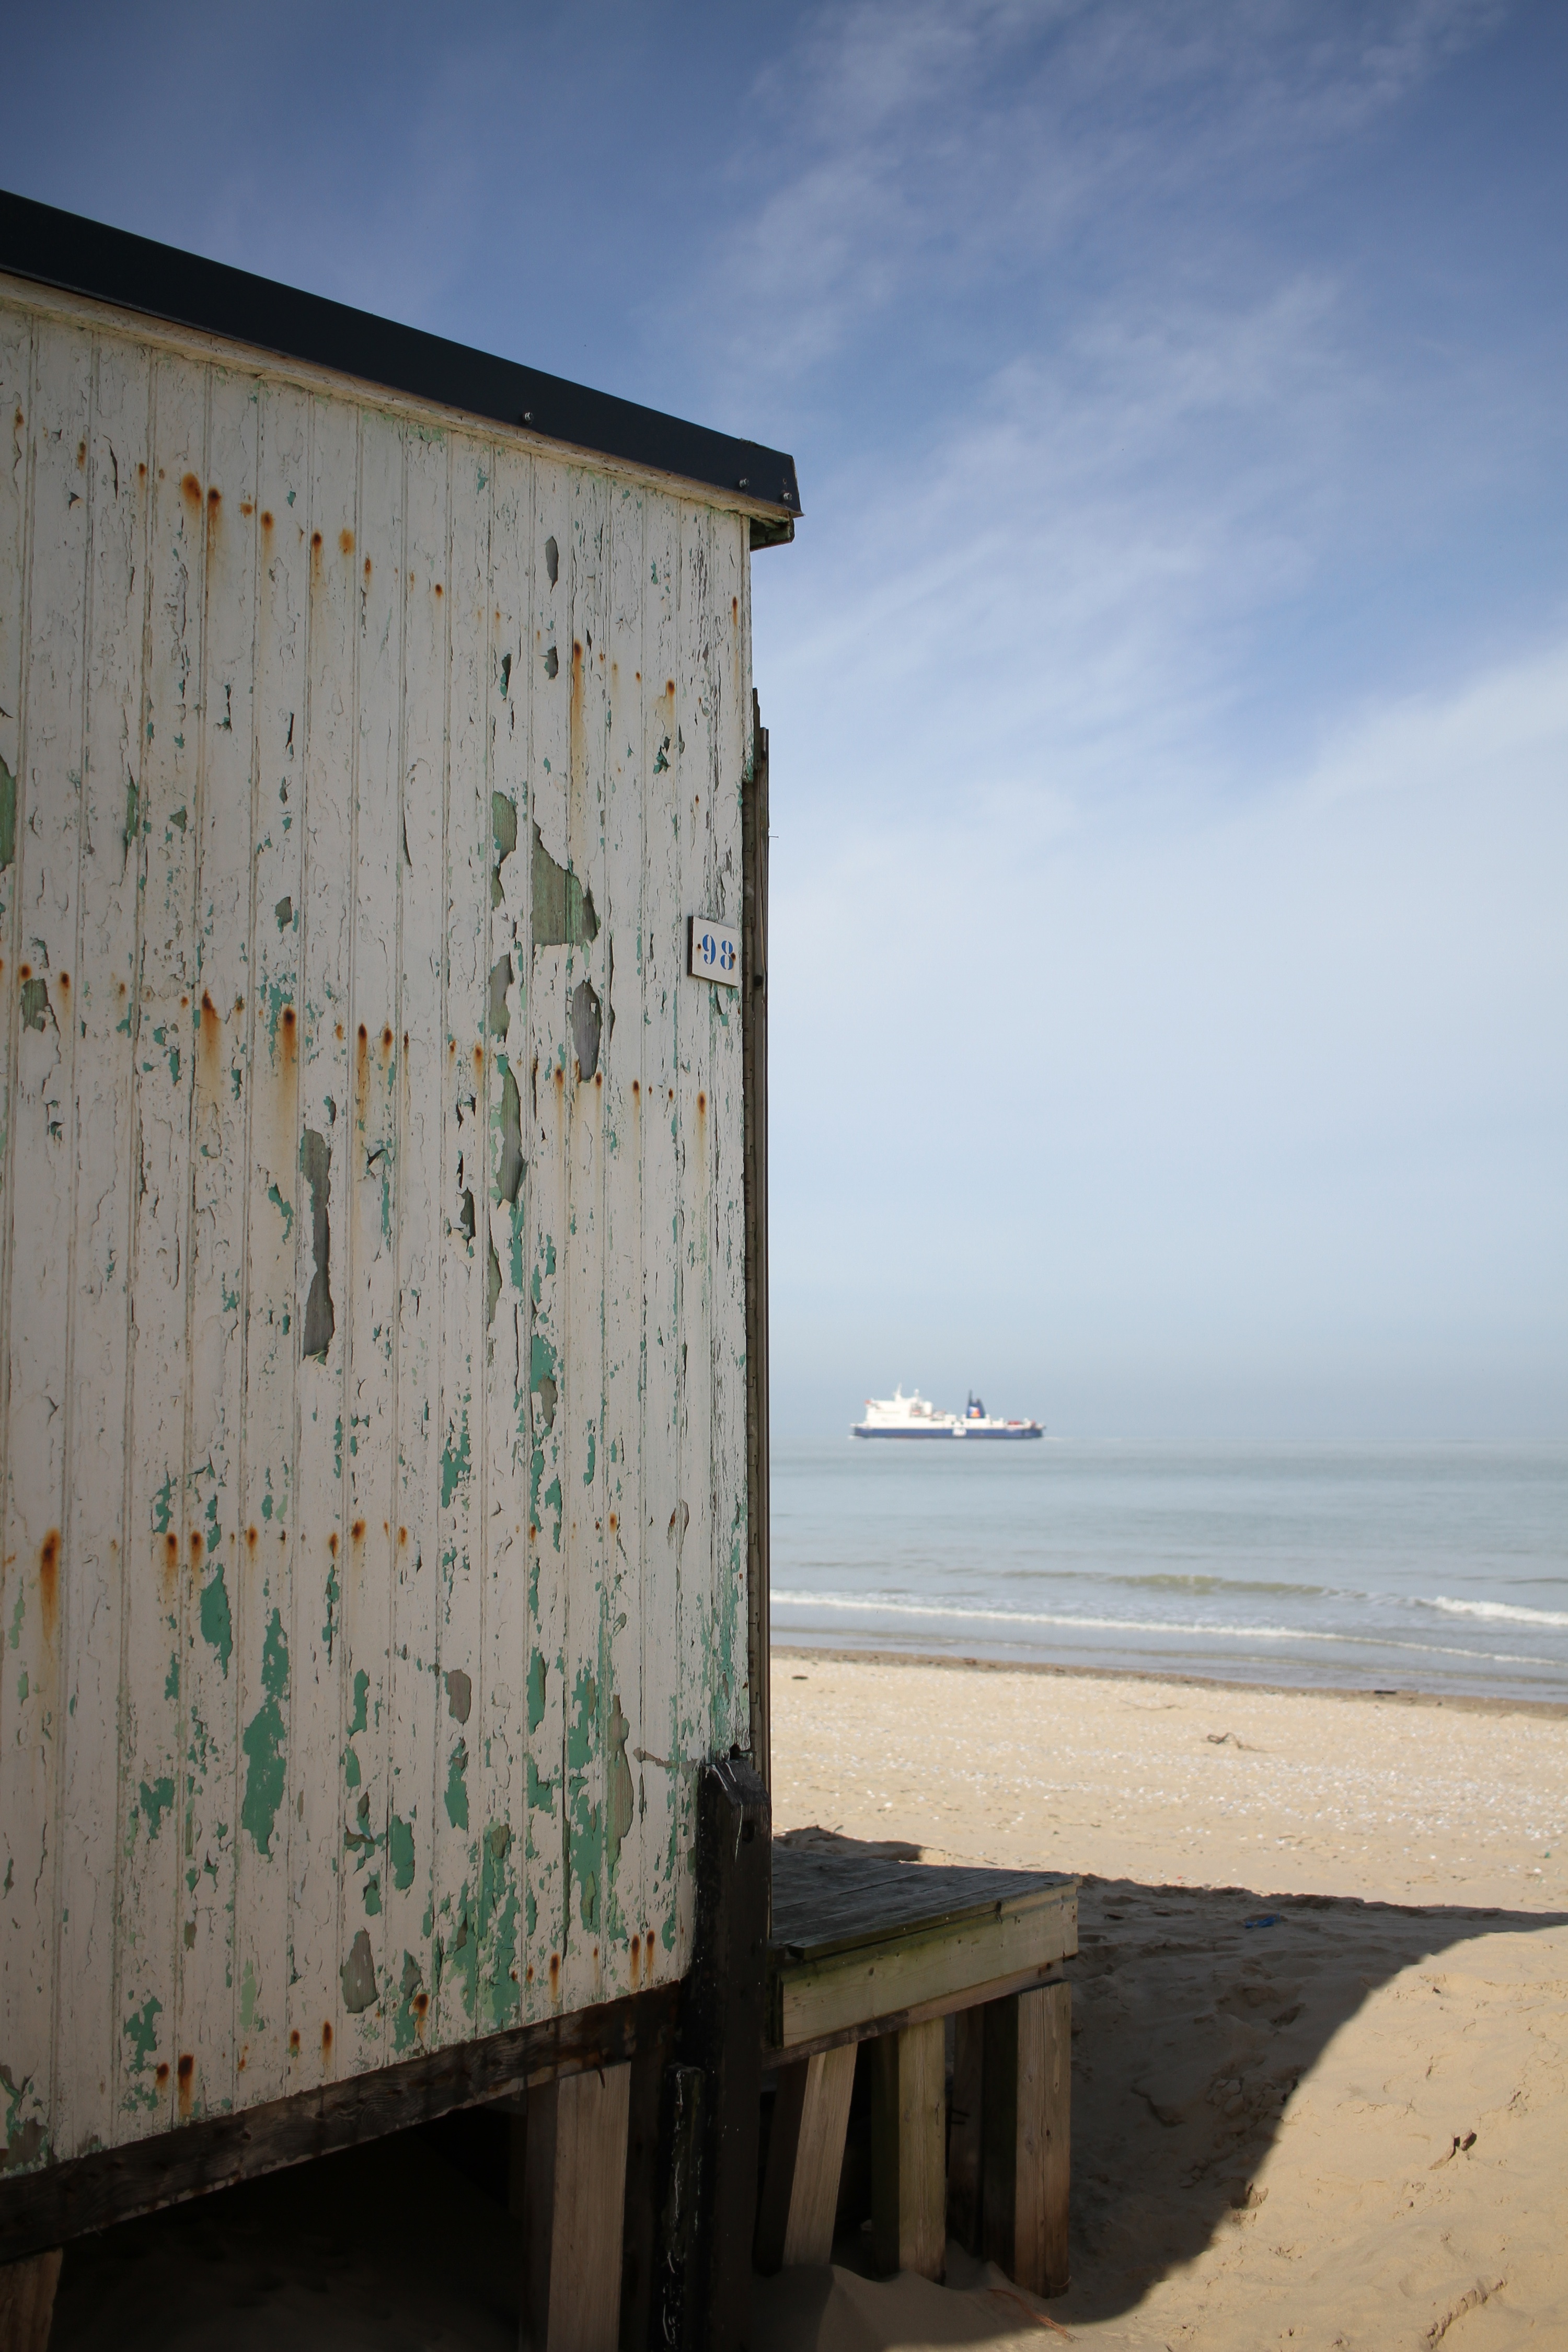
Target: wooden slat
pixel 728 695
pixel 466 1158
pixel 694 762
pixel 1026 2104
pixel 263 1602
pixel 417 1705
pixel 582 1254
pixel 666 1785
pixel 573 2204
pixel 41 1145
pixel 157 1581
pixel 104 976
pixel 806 2157
pixel 546 1109
pixel 320 1234
pixel 502 1758
pixel 909 2114
pixel 625 1253
pixel 216 1275
pixel 372 1207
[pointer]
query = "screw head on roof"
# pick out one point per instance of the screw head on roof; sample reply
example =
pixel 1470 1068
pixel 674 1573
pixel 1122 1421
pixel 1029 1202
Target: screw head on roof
pixel 744 483
pixel 527 416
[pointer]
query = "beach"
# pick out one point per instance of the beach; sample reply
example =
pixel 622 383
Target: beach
pixel 1321 2006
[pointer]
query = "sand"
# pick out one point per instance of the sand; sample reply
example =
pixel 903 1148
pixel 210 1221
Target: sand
pixel 1320 2058
pixel 1320 2040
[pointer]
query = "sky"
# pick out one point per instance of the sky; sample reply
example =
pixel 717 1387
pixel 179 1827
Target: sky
pixel 1168 686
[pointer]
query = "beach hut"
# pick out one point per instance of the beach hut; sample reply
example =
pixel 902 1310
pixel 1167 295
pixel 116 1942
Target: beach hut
pixel 383 838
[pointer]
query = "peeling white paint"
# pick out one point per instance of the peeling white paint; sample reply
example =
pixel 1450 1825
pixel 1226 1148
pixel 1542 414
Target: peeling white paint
pixel 373 1414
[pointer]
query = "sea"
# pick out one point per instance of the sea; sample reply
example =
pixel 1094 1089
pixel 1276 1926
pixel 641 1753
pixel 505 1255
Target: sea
pixel 1439 1568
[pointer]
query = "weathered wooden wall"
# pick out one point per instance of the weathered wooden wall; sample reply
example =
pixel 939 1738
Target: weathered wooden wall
pixel 372 1425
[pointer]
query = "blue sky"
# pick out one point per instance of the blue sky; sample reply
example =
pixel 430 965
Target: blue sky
pixel 1168 683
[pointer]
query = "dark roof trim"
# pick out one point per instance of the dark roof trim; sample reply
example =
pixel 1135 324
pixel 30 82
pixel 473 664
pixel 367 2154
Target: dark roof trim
pixel 58 249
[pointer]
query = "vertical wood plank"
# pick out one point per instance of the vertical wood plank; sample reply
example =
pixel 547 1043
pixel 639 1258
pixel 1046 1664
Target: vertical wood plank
pixel 1027 2094
pixel 209 1741
pixel 104 976
pixel 964 2136
pixel 322 1276
pixel 553 903
pixel 151 1703
pixel 729 723
pixel 264 1608
pixel 374 1202
pixel 666 1785
pixel 41 1148
pixel 587 1661
pixel 806 2157
pixel 410 1849
pixel 908 2103
pixel 696 765
pixel 503 1753
pixel 621 1052
pixel 465 1155
pixel 573 2198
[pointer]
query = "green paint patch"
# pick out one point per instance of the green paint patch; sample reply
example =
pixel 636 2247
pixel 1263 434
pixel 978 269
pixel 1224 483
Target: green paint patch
pixel 535 1691
pixel 400 1853
pixel 541 1792
pixel 217 1625
pixel 263 1740
pixel 454 1463
pixel 563 912
pixel 405 2017
pixel 622 1797
pixel 553 1502
pixel 458 1786
pixel 350 1769
pixel 362 1694
pixel 140 2032
pixel 156 1801
pixel 35 1002
pixel 357 1975
pixel 503 825
pixel 373 1895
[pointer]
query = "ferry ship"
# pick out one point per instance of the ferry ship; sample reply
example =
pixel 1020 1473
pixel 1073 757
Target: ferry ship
pixel 912 1416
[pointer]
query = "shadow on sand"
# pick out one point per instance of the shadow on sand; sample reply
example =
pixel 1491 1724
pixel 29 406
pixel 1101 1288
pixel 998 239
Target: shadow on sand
pixel 1197 2011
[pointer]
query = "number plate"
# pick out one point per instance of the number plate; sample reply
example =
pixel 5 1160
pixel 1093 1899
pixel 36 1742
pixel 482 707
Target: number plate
pixel 712 952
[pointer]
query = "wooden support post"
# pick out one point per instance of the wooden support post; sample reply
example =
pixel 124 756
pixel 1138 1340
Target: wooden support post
pixel 909 2104
pixel 573 2211
pixel 28 2301
pixel 963 2129
pixel 1026 2104
pixel 754 1193
pixel 806 2157
pixel 646 2185
pixel 721 2034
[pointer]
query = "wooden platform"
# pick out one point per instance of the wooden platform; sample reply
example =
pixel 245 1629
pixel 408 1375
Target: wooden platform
pixel 870 1943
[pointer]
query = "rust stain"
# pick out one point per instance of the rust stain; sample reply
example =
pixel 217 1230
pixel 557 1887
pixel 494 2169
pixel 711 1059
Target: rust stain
pixel 23 972
pixel 357 1531
pixel 701 1106
pixel 294 2042
pixel 64 983
pixel 193 490
pixel 171 1560
pixel 403 1535
pixel 288 1026
pixel 49 1583
pixel 187 2080
pixel 266 517
pixel 421 2003
pixel 346 541
pixel 82 454
pixel 636 1958
pixel 246 507
pixel 250 1539
pixel 367 567
pixel 437 586
pixel 554 1976
pixel 332 1543
pixel 735 610
pixel 162 2077
pixel 196 1546
pixel 327 2038
pixel 387 1044
pixel 212 1040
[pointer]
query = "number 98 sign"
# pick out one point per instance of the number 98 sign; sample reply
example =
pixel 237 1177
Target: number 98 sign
pixel 712 952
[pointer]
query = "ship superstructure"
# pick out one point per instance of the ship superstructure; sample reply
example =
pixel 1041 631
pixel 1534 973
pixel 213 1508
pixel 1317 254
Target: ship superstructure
pixel 915 1417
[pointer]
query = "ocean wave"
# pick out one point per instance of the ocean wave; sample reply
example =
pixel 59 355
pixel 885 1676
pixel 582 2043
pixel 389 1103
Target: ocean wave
pixel 846 1602
pixel 1505 1609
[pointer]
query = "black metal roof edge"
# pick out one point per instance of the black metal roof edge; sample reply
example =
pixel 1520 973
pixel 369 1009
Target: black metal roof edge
pixel 133 273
